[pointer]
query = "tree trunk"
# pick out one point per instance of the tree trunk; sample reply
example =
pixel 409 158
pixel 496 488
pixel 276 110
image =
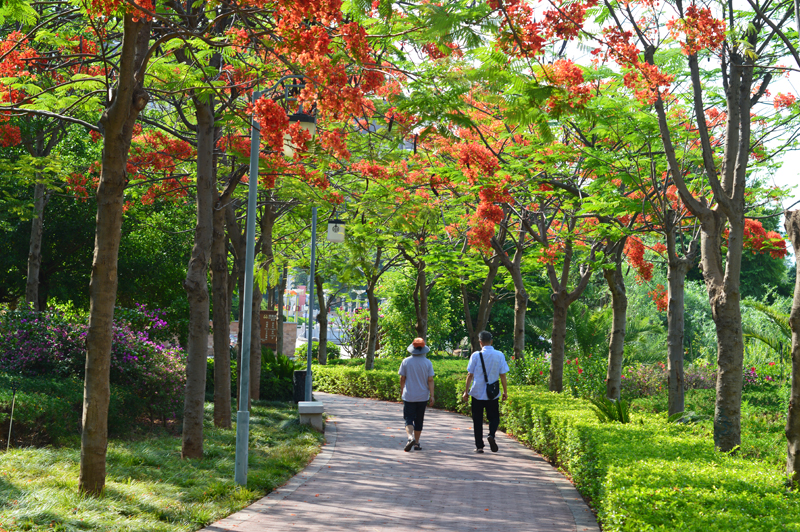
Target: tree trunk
pixel 255 346
pixel 281 291
pixel 421 301
pixel 222 292
pixel 520 308
pixel 196 285
pixel 616 344
pixel 323 322
pixel 561 301
pixel 484 307
pixel 117 122
pixel 372 339
pixel 40 197
pixel 222 319
pixel 558 340
pixel 676 276
pixel 793 417
pixel 514 268
pixel 723 294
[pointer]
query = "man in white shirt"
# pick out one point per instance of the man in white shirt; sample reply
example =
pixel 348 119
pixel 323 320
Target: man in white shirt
pixel 479 373
pixel 416 381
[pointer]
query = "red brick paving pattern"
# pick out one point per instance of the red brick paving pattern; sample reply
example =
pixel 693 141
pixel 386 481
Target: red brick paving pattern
pixel 364 481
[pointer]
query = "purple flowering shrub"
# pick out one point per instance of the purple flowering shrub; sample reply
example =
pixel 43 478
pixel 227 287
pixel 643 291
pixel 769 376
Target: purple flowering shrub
pixel 151 372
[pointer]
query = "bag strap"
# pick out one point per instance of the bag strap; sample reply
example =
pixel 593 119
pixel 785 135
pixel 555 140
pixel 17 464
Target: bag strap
pixel 485 376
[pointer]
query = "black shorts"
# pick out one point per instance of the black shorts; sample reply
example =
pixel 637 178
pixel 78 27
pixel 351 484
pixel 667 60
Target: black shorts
pixel 414 413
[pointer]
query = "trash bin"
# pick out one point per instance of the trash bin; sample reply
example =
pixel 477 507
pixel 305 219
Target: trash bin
pixel 299 386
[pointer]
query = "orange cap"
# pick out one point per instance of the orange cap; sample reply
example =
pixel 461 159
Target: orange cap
pixel 418 343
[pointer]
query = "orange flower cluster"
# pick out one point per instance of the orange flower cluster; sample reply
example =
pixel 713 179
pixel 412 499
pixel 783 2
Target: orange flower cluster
pixel 660 297
pixel 433 51
pixel 634 250
pixel 155 152
pixel 521 34
pixel 783 101
pixel 701 29
pixel 477 161
pixel 759 240
pixel 564 73
pixel 10 135
pixel 273 121
pixel 336 143
pixel 645 80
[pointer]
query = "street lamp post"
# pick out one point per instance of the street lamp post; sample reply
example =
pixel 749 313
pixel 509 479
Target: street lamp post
pixel 307 122
pixel 243 414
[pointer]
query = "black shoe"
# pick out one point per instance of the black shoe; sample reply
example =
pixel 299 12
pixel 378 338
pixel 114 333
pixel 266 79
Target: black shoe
pixel 492 444
pixel 478 450
pixel 409 445
pixel 417 447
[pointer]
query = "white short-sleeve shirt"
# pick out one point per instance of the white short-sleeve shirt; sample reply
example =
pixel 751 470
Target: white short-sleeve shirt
pixel 496 365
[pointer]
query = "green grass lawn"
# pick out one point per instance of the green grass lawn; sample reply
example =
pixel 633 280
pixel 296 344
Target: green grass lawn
pixel 148 487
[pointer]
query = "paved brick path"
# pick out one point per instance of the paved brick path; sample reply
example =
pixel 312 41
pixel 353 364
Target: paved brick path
pixel 364 481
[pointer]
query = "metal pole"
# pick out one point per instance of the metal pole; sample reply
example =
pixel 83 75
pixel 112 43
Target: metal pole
pixel 311 299
pixel 243 415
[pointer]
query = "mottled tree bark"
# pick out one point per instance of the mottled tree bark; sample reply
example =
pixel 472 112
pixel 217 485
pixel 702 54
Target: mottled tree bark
pixel 558 337
pixel 117 123
pixel 793 417
pixel 514 268
pixel 562 299
pixel 196 284
pixel 372 339
pixel 727 184
pixel 221 290
pixel 676 277
pixel 484 306
pixel 40 197
pixel 616 344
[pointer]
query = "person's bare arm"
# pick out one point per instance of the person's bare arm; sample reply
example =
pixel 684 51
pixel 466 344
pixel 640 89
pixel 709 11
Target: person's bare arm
pixel 402 383
pixel 430 389
pixel 466 390
pixel 505 389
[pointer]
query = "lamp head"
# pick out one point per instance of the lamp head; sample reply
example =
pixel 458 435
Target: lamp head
pixel 308 122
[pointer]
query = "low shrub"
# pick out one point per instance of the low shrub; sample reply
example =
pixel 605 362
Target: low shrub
pixel 385 385
pixel 48 411
pixel 332 352
pixel 650 474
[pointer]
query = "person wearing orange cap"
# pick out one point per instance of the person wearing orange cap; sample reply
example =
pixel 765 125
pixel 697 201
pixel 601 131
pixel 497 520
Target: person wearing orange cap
pixel 416 381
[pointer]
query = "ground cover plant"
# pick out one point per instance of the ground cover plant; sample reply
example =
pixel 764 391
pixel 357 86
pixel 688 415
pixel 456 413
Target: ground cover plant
pixel 149 486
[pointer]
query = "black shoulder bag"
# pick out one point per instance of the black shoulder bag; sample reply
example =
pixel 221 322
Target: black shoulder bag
pixel 492 388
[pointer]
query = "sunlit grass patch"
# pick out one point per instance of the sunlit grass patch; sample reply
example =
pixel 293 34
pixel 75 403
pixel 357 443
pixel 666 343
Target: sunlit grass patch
pixel 148 486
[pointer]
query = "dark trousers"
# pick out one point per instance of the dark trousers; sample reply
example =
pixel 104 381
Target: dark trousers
pixel 414 413
pixel 492 407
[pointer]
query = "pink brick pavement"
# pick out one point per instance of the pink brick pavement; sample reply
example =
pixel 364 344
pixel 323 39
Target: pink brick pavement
pixel 364 481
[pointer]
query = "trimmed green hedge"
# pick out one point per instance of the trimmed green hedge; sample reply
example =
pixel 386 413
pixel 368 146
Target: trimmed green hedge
pixel 647 475
pixel 650 474
pixel 385 385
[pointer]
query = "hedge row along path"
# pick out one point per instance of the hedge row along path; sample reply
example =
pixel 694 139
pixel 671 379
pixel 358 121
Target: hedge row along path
pixel 364 481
